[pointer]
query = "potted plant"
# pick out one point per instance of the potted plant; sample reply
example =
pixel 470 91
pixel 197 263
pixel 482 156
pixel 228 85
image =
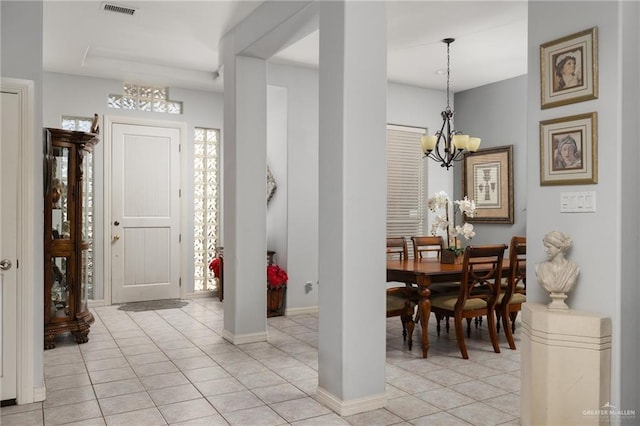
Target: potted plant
pixel 276 285
pixel 276 289
pixel 453 250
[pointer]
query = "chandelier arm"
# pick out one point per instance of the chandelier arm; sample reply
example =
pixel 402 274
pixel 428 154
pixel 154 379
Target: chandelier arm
pixel 441 137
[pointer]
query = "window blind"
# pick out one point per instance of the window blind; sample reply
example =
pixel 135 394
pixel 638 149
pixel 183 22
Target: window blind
pixel 405 182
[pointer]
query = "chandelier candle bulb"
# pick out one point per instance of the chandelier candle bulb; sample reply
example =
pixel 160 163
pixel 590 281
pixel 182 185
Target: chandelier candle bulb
pixel 473 144
pixel 428 143
pixel 460 141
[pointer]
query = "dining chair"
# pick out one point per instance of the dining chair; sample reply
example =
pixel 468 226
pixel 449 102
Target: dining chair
pixel 423 246
pixel 477 295
pixel 397 247
pixel 514 292
pixel 401 301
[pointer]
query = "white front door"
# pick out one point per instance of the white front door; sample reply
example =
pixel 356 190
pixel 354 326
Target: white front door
pixel 145 213
pixel 9 143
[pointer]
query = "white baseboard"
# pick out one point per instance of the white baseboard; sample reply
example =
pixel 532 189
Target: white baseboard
pixel 241 339
pixel 301 311
pixel 354 406
pixel 96 302
pixel 39 394
pixel 202 295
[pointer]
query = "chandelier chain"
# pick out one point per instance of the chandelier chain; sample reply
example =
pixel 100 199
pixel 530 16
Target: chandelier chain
pixel 448 73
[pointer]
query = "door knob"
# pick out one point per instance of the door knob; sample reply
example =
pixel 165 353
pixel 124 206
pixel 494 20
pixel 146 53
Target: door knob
pixel 5 264
pixel 116 237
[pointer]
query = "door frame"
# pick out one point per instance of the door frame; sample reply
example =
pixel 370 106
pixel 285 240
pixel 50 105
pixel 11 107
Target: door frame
pixel 26 301
pixel 109 121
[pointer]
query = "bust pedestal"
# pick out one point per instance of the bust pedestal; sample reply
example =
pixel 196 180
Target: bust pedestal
pixel 565 366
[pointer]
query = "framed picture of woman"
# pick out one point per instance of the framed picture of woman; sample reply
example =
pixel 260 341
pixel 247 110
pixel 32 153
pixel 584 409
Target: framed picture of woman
pixel 568 150
pixel 569 69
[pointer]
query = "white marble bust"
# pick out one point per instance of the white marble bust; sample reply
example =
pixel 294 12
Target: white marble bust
pixel 557 275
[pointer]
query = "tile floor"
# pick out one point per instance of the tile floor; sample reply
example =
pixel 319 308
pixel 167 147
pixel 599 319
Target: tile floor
pixel 173 367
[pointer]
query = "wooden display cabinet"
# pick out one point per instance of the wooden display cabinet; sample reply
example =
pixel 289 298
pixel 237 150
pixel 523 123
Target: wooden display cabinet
pixel 68 218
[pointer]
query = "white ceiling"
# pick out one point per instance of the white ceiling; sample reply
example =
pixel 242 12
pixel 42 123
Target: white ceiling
pixel 175 43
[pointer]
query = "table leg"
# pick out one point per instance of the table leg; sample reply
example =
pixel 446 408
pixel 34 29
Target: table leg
pixel 424 308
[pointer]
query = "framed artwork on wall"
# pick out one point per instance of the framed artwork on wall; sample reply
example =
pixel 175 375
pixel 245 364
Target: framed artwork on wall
pixel 569 69
pixel 487 177
pixel 569 150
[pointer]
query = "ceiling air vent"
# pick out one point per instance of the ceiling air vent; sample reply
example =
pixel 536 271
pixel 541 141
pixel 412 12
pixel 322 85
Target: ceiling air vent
pixel 126 10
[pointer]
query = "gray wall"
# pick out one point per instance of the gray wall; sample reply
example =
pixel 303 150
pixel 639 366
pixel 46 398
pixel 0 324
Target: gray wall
pixel 302 179
pixel 630 320
pixel 65 94
pixel 605 242
pixel 21 57
pixel 497 113
pixel 413 106
pixel 407 105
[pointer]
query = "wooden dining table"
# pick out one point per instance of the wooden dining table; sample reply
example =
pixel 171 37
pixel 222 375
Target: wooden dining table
pixel 424 272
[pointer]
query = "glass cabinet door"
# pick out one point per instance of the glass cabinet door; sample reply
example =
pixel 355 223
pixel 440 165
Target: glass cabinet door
pixel 86 280
pixel 60 287
pixel 87 227
pixel 60 225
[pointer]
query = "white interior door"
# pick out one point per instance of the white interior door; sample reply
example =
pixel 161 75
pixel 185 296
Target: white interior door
pixel 9 144
pixel 145 213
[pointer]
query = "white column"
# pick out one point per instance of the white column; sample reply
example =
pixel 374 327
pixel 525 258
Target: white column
pixel 352 217
pixel 245 224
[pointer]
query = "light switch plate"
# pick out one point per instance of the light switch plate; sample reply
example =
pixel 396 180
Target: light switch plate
pixel 578 202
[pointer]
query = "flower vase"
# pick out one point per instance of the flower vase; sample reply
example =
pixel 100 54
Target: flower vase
pixel 451 257
pixel 275 300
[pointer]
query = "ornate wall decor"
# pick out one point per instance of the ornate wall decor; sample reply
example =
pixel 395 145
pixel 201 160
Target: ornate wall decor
pixel 271 185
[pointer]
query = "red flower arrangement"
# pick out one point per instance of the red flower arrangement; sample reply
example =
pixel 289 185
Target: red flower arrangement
pixel 215 265
pixel 276 276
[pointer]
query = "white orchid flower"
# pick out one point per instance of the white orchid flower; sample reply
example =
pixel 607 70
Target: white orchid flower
pixel 466 206
pixel 447 222
pixel 466 231
pixel 438 223
pixel 439 201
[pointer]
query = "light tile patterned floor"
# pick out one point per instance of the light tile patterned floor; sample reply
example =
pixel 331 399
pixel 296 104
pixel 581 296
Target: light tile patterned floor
pixel 173 367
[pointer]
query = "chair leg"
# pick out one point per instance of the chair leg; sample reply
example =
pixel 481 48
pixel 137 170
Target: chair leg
pixel 478 322
pixel 446 325
pixel 460 337
pixel 410 327
pixel 513 315
pixel 408 320
pixel 507 328
pixel 493 334
pixel 498 321
pixel 404 327
pixel 438 318
pixel 469 327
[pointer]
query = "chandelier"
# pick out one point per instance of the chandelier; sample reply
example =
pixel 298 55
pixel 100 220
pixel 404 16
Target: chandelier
pixel 448 145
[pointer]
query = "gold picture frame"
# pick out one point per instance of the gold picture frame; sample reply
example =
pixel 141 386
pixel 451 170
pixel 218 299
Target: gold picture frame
pixel 569 69
pixel 569 150
pixel 487 176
